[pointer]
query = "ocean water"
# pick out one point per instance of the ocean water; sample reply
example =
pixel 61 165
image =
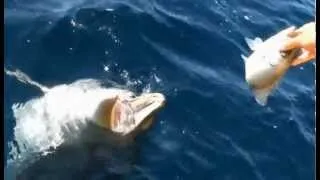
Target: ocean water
pixel 211 126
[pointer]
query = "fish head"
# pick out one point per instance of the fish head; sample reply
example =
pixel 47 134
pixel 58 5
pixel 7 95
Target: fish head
pixel 124 115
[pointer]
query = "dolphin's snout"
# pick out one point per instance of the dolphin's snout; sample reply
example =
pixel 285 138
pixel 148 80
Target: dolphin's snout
pixel 125 115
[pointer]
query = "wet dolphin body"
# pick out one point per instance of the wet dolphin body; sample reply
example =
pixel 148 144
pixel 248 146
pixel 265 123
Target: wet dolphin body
pixel 102 144
pixel 105 146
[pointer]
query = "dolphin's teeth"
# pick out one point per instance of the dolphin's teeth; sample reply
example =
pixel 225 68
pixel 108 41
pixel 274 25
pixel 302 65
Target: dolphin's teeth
pixel 135 111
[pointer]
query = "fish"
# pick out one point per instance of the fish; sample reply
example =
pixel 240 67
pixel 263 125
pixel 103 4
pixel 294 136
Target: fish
pixel 266 65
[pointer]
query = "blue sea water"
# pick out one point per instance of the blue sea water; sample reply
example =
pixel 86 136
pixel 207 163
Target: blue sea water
pixel 211 127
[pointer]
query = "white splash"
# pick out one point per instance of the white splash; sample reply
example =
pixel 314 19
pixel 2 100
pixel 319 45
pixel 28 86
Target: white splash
pixel 22 77
pixel 106 68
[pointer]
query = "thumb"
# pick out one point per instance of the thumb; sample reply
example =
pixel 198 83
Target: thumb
pixel 291 44
pixel 294 33
pixel 302 59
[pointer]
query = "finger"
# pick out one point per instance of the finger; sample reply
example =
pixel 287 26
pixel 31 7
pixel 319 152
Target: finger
pixel 294 33
pixel 307 25
pixel 288 30
pixel 291 44
pixel 301 29
pixel 303 59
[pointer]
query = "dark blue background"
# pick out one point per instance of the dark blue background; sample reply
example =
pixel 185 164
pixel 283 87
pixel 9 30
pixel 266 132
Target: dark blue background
pixel 211 127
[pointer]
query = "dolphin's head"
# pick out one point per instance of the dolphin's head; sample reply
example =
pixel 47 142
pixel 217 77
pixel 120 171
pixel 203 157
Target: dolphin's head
pixel 126 114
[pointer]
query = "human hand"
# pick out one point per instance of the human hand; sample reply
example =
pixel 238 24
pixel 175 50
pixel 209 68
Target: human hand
pixel 304 38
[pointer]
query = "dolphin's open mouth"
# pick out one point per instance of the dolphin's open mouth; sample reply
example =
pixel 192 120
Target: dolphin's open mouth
pixel 128 113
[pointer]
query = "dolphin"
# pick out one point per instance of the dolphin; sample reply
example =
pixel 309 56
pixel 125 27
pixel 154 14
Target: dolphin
pixel 78 128
pixel 106 143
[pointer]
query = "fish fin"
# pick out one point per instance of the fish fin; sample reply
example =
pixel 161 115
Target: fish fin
pixel 261 95
pixel 253 43
pixel 244 57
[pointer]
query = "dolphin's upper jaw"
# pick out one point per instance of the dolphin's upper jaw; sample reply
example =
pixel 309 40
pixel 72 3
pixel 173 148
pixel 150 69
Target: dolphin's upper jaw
pixel 146 105
pixel 142 107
